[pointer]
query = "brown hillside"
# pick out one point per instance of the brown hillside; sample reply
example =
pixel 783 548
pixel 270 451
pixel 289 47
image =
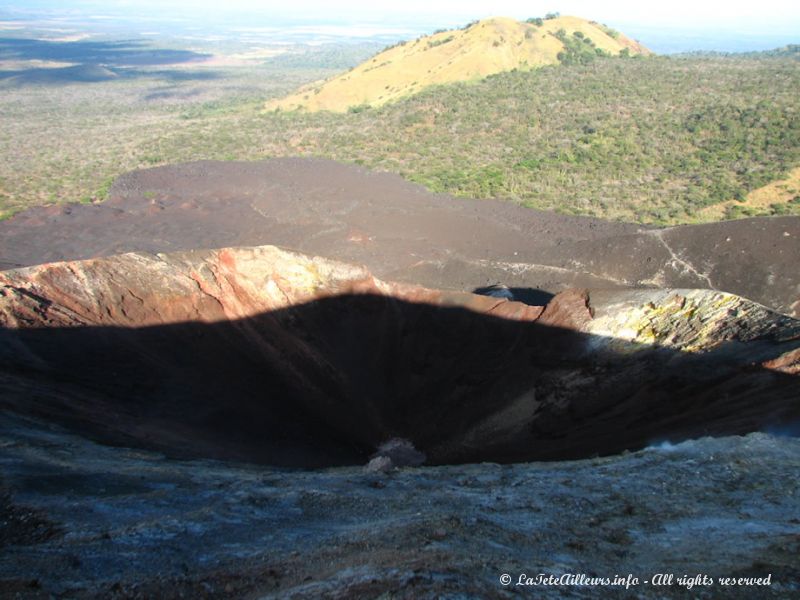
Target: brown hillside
pixel 484 48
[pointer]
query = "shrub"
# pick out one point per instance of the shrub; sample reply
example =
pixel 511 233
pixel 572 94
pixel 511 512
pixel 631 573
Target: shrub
pixel 434 43
pixel 358 108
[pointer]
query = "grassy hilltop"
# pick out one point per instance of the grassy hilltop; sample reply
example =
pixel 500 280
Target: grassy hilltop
pixel 481 48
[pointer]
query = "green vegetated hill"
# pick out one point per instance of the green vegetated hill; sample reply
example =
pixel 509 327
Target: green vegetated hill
pixel 481 48
pixel 657 140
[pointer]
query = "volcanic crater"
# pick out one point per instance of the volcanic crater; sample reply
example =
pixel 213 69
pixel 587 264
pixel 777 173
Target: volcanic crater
pixel 182 365
pixel 268 355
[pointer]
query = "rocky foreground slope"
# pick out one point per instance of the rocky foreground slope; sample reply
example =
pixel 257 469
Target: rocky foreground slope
pixel 82 520
pixel 403 233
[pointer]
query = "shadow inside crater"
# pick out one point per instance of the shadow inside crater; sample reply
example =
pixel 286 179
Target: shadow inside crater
pixel 323 383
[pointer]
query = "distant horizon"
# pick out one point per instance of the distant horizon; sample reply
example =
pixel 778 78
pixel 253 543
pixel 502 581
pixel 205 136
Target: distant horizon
pixel 739 26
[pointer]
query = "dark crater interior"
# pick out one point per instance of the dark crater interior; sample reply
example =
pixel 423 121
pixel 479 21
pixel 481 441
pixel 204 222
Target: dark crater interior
pixel 324 383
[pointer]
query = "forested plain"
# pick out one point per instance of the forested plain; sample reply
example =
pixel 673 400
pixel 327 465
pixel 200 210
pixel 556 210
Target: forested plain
pixel 653 140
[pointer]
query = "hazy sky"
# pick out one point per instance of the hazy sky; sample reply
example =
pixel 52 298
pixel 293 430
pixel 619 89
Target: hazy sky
pixel 664 25
pixel 783 14
pixel 760 15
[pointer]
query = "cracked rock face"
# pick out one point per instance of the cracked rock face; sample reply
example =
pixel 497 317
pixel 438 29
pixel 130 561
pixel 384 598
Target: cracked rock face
pixel 282 358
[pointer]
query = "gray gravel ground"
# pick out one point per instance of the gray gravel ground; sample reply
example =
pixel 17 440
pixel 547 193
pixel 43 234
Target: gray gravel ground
pixel 84 520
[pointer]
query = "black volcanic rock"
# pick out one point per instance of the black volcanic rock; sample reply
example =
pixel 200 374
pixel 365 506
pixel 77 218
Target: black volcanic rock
pixel 403 233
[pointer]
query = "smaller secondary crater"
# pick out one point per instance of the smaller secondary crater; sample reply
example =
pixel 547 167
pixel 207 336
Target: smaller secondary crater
pixel 531 296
